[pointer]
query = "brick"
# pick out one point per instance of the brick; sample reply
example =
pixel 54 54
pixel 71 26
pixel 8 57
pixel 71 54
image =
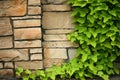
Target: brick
pixel 55 37
pixel 36 57
pixel 71 53
pixel 53 20
pixel 55 53
pixel 27 33
pixel 56 8
pixel 34 2
pixel 30 65
pixel 8 65
pixel 26 23
pixel 61 44
pixel 34 10
pixel 5 26
pixel 13 7
pixel 56 1
pixel 27 44
pixel 14 55
pixel 58 31
pixel 36 50
pixel 6 42
pixel 51 62
pixel 6 73
pixel 27 17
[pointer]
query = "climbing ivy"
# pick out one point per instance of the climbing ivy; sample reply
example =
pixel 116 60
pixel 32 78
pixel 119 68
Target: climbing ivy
pixel 97 31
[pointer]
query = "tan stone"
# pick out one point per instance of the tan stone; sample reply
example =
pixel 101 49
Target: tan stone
pixel 56 8
pixel 29 65
pixel 34 10
pixel 27 33
pixel 5 26
pixel 56 1
pixel 8 65
pixel 27 17
pixel 55 37
pixel 6 42
pixel 27 23
pixel 51 62
pixel 58 31
pixel 13 7
pixel 71 53
pixel 44 1
pixel 36 57
pixel 53 20
pixel 6 73
pixel 14 55
pixel 27 44
pixel 55 53
pixel 36 50
pixel 34 2
pixel 61 44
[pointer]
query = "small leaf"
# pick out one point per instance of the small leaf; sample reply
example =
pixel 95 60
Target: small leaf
pixel 84 57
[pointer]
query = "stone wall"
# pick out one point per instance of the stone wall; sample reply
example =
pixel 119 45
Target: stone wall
pixel 33 34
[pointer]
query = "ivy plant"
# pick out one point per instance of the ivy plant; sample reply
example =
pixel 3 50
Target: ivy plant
pixel 97 31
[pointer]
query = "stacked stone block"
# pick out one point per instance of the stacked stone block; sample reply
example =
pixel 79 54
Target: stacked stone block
pixel 33 35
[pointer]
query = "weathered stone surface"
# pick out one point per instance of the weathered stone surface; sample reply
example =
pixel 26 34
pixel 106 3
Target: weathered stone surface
pixel 5 26
pixel 8 65
pixel 27 17
pixel 34 2
pixel 56 8
pixel 27 23
pixel 27 33
pixel 14 55
pixel 6 42
pixel 55 53
pixel 64 44
pixel 36 50
pixel 56 1
pixel 71 53
pixel 29 65
pixel 13 7
pixel 1 65
pixel 34 10
pixel 36 57
pixel 6 73
pixel 27 44
pixel 57 20
pixel 56 31
pixel 55 37
pixel 44 1
pixel 51 62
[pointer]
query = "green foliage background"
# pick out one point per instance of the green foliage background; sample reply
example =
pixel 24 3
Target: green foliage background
pixel 97 31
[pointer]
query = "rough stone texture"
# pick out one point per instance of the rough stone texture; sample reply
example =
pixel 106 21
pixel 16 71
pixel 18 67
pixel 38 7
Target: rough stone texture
pixel 71 53
pixel 34 10
pixel 5 26
pixel 36 57
pixel 64 44
pixel 34 2
pixel 6 42
pixel 51 62
pixel 55 37
pixel 56 31
pixel 27 23
pixel 36 50
pixel 1 65
pixel 56 1
pixel 56 8
pixel 27 17
pixel 13 7
pixel 60 20
pixel 55 53
pixel 14 55
pixel 30 65
pixel 6 73
pixel 27 33
pixel 8 65
pixel 27 44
